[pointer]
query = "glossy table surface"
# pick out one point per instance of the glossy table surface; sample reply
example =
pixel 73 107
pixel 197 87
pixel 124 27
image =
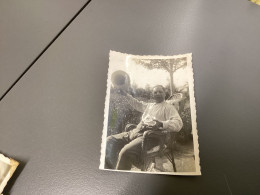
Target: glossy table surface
pixel 52 118
pixel 27 27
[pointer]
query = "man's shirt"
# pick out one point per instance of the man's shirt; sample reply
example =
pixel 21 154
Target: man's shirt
pixel 163 112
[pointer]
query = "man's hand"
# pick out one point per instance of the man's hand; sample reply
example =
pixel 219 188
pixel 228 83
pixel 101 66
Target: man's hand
pixel 158 125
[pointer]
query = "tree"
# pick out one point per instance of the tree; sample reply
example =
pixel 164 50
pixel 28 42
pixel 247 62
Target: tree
pixel 169 65
pixel 147 91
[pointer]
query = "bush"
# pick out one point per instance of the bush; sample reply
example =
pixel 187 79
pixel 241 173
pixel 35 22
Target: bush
pixel 120 114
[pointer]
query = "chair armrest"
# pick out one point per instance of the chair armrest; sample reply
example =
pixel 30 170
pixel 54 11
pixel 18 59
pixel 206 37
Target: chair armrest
pixel 163 137
pixel 159 135
pixel 155 134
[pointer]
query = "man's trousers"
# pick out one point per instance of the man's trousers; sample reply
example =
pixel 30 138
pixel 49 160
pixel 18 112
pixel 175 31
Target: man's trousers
pixel 123 150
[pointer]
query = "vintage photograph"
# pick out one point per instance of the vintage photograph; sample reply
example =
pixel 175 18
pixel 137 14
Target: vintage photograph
pixel 7 168
pixel 150 115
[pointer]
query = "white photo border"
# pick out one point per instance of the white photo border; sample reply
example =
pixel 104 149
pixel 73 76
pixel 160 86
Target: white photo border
pixel 113 55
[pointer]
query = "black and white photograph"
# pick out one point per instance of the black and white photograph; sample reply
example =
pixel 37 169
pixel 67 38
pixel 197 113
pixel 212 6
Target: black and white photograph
pixel 7 168
pixel 150 115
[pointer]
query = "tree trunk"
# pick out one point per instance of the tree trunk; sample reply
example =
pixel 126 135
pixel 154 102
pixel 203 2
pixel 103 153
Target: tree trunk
pixel 171 79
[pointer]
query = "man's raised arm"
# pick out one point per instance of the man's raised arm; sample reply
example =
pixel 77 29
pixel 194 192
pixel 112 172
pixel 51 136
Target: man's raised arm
pixel 136 104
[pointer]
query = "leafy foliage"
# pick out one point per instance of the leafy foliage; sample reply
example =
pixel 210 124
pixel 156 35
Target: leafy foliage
pixel 169 65
pixel 165 64
pixel 120 113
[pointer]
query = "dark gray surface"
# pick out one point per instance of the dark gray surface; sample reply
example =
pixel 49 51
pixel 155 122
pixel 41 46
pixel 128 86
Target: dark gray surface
pixel 52 119
pixel 26 28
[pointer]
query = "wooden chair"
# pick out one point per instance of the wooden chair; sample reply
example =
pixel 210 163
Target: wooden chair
pixel 165 144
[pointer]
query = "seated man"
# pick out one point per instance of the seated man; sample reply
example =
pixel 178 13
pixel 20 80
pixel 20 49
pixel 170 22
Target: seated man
pixel 156 116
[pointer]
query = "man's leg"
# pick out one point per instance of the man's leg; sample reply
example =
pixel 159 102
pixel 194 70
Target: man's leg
pixel 130 153
pixel 114 144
